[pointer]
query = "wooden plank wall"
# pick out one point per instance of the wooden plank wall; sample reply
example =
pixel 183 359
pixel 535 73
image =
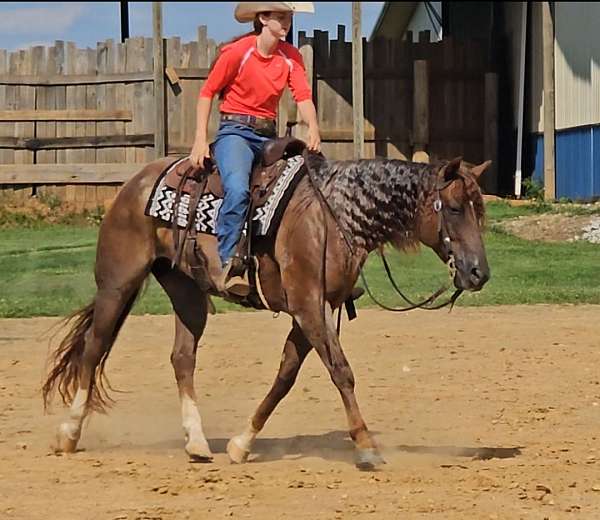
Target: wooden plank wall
pixel 43 87
pixel 118 77
pixel 456 72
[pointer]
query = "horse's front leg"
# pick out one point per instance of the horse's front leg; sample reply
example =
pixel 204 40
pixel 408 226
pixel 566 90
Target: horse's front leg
pixel 294 352
pixel 191 308
pixel 319 328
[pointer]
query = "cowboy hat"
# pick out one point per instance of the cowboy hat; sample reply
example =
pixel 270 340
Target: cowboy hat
pixel 246 11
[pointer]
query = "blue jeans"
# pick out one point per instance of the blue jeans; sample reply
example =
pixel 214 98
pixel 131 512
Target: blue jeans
pixel 235 149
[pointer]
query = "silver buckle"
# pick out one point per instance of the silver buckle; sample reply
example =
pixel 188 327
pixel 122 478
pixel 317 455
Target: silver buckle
pixel 437 205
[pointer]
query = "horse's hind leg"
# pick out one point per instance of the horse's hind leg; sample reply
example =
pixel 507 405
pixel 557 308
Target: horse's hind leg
pixel 294 352
pixel 191 307
pixel 107 314
pixel 79 362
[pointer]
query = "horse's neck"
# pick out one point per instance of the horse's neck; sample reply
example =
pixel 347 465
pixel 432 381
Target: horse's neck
pixel 377 201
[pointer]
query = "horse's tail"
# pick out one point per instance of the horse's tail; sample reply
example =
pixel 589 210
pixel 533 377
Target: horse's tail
pixel 66 360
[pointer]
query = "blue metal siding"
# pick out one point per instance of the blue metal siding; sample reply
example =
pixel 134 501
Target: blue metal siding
pixel 574 164
pixel 596 160
pixel 537 142
pixel 577 162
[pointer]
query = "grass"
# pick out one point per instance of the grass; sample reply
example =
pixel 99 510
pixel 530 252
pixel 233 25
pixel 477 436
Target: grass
pixel 47 270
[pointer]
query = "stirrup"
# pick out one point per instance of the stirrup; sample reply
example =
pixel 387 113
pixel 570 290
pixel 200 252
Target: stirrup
pixel 234 278
pixel 238 285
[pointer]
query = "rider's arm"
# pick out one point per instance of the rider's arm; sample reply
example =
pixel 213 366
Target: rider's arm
pixel 303 96
pixel 200 146
pixel 222 73
pixel 308 113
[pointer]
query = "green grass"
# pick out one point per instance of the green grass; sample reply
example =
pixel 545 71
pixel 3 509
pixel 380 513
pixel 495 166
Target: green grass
pixel 501 210
pixel 48 271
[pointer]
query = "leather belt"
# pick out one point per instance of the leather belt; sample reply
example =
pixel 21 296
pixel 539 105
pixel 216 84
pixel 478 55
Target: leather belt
pixel 260 125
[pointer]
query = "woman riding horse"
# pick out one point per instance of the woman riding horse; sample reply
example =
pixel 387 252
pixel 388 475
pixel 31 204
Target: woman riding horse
pixel 250 75
pixel 339 212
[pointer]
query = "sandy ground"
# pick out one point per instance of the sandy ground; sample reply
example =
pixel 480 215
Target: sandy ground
pixel 487 413
pixel 548 227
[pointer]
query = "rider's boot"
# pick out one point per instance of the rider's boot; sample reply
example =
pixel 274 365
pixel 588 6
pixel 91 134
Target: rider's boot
pixel 234 278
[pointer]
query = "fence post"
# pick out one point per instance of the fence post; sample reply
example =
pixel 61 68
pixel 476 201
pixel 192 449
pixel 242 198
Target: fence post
pixel 357 82
pixel 305 45
pixel 159 82
pixel 549 128
pixel 420 111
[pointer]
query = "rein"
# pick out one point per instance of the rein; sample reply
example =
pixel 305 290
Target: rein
pixel 445 239
pixel 426 303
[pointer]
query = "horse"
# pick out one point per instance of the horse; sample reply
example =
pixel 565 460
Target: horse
pixel 338 213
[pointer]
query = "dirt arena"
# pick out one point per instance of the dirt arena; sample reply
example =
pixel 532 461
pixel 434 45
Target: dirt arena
pixel 489 413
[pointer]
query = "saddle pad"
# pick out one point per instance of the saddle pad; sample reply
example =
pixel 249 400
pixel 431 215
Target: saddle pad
pixel 266 218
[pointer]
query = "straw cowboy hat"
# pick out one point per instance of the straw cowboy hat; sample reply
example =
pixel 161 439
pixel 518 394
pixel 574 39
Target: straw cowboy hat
pixel 246 11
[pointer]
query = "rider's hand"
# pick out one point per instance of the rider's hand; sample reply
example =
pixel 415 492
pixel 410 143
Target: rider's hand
pixel 314 139
pixel 200 150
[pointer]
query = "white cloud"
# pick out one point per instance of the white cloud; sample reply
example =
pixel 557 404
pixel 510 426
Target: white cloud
pixel 41 20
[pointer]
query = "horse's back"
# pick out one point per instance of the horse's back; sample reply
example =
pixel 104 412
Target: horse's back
pixel 135 192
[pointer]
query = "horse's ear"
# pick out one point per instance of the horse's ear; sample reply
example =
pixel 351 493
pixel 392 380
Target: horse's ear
pixel 480 168
pixel 450 170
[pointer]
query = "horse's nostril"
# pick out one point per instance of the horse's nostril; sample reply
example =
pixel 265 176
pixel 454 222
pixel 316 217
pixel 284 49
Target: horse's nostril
pixel 478 276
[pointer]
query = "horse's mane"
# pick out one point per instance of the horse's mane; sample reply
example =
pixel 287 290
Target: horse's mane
pixel 377 200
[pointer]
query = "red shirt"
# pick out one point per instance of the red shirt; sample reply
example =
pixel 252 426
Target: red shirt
pixel 252 83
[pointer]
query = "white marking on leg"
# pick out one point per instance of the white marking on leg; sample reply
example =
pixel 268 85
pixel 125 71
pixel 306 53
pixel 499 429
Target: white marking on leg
pixel 246 438
pixel 192 422
pixel 71 428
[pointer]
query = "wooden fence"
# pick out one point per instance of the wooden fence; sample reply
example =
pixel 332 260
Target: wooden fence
pixel 77 123
pixel 435 97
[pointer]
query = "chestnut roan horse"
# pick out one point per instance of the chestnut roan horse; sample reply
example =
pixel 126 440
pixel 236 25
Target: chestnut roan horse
pixel 307 270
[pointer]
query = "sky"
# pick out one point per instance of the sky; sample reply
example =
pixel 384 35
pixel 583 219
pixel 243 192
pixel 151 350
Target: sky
pixel 24 24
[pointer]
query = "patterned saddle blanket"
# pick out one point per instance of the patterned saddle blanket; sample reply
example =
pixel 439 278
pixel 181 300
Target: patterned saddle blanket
pixel 284 176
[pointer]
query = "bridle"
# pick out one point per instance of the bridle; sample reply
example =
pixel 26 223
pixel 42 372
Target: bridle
pixel 446 241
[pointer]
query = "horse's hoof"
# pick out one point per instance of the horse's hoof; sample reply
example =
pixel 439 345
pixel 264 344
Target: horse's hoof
pixel 237 455
pixel 368 459
pixel 198 452
pixel 64 443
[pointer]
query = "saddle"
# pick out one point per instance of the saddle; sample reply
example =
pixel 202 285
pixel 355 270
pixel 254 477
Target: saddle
pixel 188 179
pixel 198 181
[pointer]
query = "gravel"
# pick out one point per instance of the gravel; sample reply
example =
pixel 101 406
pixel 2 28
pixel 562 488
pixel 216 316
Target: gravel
pixel 591 232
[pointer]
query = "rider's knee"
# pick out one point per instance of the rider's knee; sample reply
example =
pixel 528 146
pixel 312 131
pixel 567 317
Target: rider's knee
pixel 239 193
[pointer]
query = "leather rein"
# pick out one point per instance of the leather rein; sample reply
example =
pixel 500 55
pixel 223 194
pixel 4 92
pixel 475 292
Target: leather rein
pixel 446 241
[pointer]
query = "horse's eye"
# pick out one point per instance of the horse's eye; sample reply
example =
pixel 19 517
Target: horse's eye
pixel 455 210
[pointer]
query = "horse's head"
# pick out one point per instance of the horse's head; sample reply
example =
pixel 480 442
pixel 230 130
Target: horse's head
pixel 451 222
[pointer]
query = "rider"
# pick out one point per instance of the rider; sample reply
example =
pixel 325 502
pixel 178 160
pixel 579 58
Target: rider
pixel 250 75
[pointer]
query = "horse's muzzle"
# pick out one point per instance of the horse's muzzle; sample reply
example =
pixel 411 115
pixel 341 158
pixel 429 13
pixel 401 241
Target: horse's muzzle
pixel 471 279
pixel 479 277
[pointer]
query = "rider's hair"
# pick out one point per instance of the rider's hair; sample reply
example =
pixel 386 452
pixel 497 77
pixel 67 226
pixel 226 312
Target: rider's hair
pixel 258 26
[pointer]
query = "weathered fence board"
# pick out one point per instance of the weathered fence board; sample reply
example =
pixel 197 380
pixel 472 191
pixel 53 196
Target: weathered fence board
pixel 71 110
pixel 43 114
pixel 78 174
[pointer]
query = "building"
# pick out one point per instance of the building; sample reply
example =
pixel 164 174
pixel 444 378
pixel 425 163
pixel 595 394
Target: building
pixel 512 32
